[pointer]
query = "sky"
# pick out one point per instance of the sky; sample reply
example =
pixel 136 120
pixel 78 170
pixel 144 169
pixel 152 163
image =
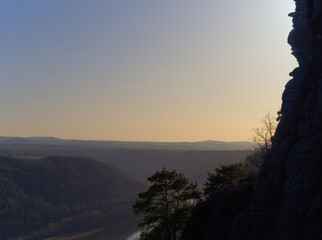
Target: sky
pixel 142 70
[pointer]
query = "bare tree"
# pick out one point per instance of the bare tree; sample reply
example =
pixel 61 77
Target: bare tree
pixel 263 136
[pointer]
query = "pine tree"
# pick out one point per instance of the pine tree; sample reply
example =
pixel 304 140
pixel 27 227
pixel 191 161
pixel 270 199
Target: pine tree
pixel 166 205
pixel 226 176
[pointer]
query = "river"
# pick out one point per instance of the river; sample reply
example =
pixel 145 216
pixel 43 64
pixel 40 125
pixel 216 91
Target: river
pixel 134 236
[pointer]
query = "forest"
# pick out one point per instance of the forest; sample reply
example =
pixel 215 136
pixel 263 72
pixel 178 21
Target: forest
pixel 42 197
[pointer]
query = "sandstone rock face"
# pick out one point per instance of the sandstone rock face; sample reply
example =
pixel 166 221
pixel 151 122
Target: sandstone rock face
pixel 287 198
pixel 288 190
pixel 212 219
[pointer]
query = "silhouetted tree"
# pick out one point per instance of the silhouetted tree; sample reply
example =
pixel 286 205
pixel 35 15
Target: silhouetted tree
pixel 166 205
pixel 226 176
pixel 263 136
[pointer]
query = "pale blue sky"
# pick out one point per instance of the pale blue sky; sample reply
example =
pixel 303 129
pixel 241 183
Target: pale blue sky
pixel 165 70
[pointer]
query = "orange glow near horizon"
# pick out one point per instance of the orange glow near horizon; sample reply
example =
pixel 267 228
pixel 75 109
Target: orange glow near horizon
pixel 150 71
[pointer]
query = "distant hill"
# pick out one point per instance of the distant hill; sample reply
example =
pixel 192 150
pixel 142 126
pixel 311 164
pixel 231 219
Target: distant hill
pixel 140 164
pixel 138 160
pixel 204 145
pixel 42 197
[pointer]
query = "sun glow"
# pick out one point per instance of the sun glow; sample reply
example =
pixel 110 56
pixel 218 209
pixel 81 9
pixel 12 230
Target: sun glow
pixel 161 71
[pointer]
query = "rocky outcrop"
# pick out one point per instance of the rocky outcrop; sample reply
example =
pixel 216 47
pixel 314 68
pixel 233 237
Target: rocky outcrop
pixel 288 189
pixel 287 202
pixel 212 219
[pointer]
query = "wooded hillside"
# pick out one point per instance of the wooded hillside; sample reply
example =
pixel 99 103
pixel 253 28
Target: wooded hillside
pixel 46 196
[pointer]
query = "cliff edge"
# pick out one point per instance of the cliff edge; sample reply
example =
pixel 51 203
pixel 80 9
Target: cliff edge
pixel 287 200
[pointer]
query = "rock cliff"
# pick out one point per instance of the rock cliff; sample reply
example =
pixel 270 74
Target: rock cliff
pixel 213 218
pixel 288 190
pixel 287 202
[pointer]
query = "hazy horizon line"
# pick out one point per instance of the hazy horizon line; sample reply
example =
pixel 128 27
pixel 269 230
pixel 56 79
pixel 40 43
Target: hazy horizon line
pixel 139 141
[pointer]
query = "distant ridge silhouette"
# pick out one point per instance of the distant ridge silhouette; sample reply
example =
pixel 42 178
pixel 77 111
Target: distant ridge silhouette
pixel 209 145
